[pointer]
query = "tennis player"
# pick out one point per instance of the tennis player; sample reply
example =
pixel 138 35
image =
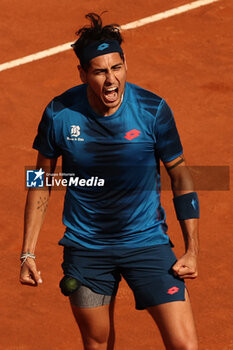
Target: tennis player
pixel 116 133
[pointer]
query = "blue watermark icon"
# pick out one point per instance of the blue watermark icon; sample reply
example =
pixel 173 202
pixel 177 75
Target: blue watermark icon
pixel 35 178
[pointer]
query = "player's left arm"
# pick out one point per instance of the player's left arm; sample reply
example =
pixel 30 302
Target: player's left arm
pixel 183 187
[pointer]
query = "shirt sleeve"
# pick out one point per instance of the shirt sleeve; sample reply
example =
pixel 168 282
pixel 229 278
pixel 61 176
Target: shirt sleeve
pixel 45 139
pixel 168 145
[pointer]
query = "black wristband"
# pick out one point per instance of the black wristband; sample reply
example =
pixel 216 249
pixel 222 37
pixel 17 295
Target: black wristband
pixel 187 206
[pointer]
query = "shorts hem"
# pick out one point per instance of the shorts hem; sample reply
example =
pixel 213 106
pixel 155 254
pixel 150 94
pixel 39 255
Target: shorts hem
pixel 156 304
pixel 86 284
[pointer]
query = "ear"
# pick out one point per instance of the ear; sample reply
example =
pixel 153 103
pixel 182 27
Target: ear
pixel 126 67
pixel 82 74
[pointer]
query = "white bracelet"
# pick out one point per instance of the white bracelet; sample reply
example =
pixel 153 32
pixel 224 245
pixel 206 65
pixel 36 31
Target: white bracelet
pixel 24 257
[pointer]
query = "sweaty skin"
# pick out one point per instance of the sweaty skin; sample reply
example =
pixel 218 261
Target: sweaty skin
pixel 35 210
pixel 181 183
pixel 106 77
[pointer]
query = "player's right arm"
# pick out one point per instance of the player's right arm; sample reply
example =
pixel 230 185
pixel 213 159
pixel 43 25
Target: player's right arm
pixel 35 210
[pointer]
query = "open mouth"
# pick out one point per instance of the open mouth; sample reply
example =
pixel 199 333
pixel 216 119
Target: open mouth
pixel 111 94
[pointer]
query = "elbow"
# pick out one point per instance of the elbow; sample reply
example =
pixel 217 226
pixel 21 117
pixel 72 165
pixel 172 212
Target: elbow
pixel 181 184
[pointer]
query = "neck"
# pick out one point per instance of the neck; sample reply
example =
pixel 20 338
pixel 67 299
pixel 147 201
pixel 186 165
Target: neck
pixel 98 106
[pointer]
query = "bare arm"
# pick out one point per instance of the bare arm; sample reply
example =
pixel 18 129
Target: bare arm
pixel 35 210
pixel 182 183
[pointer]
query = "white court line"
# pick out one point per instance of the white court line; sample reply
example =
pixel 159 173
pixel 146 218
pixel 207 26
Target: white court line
pixel 131 25
pixel 166 14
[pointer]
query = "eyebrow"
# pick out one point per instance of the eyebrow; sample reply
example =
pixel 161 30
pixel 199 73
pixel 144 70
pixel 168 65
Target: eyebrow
pixel 104 69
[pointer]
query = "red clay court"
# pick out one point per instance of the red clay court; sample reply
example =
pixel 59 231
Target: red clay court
pixel 187 59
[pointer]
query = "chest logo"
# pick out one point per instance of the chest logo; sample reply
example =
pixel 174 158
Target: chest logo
pixel 130 135
pixel 75 130
pixel 74 133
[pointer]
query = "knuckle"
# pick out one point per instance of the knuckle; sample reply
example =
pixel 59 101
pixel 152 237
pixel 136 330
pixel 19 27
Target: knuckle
pixel 192 271
pixel 21 278
pixel 24 281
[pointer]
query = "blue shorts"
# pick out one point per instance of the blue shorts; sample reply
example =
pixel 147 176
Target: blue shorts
pixel 147 270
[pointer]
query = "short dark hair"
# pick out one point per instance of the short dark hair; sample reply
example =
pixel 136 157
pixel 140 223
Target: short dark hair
pixel 95 32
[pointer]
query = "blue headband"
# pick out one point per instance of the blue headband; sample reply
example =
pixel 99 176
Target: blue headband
pixel 99 48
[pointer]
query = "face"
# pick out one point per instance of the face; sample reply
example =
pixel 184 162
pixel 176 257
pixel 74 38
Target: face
pixel 106 78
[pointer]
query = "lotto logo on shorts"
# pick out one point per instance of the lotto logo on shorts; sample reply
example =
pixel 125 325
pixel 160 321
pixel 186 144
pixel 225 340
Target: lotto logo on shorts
pixel 130 135
pixel 172 290
pixel 35 178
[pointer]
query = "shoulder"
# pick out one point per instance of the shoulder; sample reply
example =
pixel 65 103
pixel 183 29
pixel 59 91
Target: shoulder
pixel 141 94
pixel 67 100
pixel 144 99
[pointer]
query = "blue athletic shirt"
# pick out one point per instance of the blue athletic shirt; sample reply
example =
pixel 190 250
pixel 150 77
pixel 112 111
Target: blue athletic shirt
pixel 124 149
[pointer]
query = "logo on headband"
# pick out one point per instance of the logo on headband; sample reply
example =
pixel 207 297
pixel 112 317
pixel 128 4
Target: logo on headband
pixel 102 47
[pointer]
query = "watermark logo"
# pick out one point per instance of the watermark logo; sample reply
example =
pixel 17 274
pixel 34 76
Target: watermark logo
pixel 102 47
pixel 43 179
pixel 35 178
pixel 206 178
pixel 130 135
